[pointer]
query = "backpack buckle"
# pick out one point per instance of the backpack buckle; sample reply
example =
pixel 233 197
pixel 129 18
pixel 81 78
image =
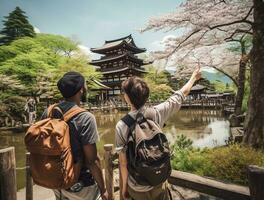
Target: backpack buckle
pixel 140 118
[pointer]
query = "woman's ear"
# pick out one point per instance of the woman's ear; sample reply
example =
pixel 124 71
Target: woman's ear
pixel 127 99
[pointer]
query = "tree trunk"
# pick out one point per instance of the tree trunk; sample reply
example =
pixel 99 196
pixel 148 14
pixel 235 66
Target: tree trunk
pixel 254 124
pixel 241 80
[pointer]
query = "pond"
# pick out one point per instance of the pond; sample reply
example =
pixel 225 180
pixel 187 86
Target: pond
pixel 207 128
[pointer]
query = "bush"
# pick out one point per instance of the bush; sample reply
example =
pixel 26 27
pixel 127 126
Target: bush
pixel 15 106
pixel 189 159
pixel 227 163
pixel 230 163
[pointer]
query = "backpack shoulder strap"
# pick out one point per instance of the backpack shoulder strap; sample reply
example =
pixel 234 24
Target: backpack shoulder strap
pixel 128 120
pixel 75 110
pixel 50 108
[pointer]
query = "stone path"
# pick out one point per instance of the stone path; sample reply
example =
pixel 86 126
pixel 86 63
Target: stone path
pixel 39 193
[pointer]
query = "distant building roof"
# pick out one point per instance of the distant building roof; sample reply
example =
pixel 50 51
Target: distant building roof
pixel 198 87
pixel 124 42
pixel 102 86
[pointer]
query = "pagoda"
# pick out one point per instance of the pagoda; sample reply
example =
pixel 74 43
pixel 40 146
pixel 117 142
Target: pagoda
pixel 117 63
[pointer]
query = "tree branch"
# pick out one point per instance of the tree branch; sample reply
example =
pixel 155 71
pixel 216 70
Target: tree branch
pixel 244 20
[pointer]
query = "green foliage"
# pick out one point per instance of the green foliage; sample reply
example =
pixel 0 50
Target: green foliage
pixel 157 76
pixel 79 64
pixel 219 86
pixel 6 52
pixel 16 25
pixel 246 42
pixel 15 106
pixel 158 82
pixel 182 142
pixel 58 44
pixel 186 158
pixel 32 67
pixel 230 163
pixel 26 67
pixel 227 163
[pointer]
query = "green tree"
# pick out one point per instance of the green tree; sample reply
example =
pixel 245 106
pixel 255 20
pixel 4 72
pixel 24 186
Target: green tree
pixel 158 82
pixel 16 25
pixel 80 64
pixel 58 44
pixel 157 76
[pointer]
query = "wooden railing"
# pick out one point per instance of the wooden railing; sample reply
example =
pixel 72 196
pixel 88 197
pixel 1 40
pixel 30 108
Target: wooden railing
pixel 197 183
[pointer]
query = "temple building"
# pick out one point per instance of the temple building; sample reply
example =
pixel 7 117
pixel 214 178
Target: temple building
pixel 117 63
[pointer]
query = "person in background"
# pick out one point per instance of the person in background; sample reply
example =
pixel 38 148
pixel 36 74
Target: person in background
pixel 30 108
pixel 136 93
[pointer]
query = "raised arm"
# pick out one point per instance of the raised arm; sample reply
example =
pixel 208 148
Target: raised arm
pixel 196 75
pixel 173 104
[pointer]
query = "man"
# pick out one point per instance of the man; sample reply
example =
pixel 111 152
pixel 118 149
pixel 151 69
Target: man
pixel 83 138
pixel 136 93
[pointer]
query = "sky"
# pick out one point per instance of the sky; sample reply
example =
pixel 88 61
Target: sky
pixel 93 21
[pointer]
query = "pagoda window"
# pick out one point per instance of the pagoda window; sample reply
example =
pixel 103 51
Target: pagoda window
pixel 111 92
pixel 123 78
pixel 115 64
pixel 117 91
pixel 116 78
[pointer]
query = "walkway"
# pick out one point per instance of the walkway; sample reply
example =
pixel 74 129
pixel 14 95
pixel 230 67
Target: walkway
pixel 38 193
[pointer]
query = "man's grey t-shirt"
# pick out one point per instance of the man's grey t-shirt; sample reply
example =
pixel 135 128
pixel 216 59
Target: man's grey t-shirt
pixel 162 112
pixel 83 131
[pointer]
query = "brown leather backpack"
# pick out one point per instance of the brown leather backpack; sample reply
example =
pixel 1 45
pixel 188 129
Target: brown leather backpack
pixel 51 159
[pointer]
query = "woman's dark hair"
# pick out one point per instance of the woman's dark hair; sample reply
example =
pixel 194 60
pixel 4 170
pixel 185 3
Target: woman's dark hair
pixel 137 90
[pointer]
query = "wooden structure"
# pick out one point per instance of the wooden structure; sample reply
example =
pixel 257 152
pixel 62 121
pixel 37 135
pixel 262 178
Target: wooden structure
pixel 117 63
pixel 8 185
pixel 197 91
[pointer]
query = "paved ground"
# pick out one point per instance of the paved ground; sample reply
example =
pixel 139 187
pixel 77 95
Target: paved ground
pixel 39 193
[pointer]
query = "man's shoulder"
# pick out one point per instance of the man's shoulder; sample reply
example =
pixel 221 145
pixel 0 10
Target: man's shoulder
pixel 84 116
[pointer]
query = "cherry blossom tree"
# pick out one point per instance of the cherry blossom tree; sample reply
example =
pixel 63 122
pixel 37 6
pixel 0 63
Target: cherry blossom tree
pixel 208 23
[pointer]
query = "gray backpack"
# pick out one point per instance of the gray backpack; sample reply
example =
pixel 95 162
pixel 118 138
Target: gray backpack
pixel 148 152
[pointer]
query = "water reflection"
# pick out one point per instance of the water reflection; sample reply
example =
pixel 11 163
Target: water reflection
pixel 207 128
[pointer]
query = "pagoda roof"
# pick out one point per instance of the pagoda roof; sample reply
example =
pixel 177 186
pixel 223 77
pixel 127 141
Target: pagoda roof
pixel 100 85
pixel 125 42
pixel 198 87
pixel 115 58
pixel 124 69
